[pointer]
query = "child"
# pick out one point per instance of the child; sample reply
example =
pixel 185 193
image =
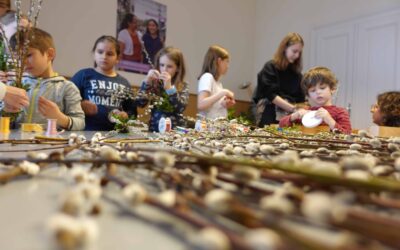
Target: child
pixel 51 96
pixel 213 100
pixel 97 85
pixel 166 81
pixel 319 84
pixel 386 111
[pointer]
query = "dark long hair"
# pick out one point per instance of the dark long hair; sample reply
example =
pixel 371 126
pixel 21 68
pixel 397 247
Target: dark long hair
pixel 125 22
pixel 156 23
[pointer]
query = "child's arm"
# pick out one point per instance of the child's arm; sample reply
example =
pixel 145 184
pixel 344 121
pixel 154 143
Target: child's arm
pixel 340 122
pixel 289 120
pixel 72 116
pixel 343 121
pixel 142 99
pixel 206 100
pixel 50 110
pixel 178 100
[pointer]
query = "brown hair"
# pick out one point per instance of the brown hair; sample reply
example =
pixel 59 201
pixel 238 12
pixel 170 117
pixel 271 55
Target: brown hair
pixel 38 39
pixel 210 60
pixel 318 75
pixel 389 107
pixel 5 4
pixel 175 55
pixel 280 59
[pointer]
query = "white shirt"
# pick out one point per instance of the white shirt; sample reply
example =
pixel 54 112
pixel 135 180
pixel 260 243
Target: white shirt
pixel 125 38
pixel 209 84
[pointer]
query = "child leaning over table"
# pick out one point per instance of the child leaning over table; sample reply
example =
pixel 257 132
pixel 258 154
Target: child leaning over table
pixel 51 96
pixel 319 84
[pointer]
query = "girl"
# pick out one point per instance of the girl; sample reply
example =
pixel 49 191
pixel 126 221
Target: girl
pixel 213 100
pixel 152 40
pixel 386 111
pixel 166 81
pixel 278 83
pixel 98 84
pixel 320 83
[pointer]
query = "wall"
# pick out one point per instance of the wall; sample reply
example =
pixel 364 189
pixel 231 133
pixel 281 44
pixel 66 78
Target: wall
pixel 192 26
pixel 275 18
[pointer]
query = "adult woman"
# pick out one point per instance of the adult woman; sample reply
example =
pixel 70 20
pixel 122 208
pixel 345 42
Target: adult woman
pixel 278 83
pixel 152 40
pixel 129 38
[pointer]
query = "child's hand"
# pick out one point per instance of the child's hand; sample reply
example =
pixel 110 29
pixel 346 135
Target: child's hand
pixel 298 114
pixel 227 93
pixel 152 75
pixel 228 102
pixel 89 108
pixel 326 117
pixel 15 98
pixel 49 109
pixel 166 79
pixel 121 114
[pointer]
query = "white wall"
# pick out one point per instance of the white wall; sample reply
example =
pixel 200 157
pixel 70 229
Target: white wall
pixel 249 29
pixel 192 26
pixel 275 18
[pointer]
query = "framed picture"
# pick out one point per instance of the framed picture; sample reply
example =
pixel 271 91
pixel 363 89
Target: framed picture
pixel 141 32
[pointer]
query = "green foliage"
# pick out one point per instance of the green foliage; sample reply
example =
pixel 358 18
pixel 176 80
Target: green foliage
pixel 163 103
pixel 244 118
pixel 122 123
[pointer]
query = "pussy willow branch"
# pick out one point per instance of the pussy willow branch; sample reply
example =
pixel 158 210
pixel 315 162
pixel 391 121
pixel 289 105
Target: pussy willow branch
pixel 236 241
pixel 373 184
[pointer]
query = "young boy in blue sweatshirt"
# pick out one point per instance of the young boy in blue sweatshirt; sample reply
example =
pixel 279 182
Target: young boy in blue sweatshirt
pixel 51 96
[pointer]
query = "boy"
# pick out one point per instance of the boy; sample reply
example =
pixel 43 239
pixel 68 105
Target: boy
pixel 51 96
pixel 386 111
pixel 319 84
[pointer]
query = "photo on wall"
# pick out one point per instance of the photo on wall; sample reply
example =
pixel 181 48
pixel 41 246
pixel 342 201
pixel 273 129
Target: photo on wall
pixel 141 32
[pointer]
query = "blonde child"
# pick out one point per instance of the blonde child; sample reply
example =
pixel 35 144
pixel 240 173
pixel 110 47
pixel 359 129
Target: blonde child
pixel 98 84
pixel 166 81
pixel 386 111
pixel 213 99
pixel 319 84
pixel 51 96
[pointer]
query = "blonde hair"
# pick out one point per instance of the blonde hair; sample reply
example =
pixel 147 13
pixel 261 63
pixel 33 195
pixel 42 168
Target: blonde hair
pixel 211 58
pixel 175 55
pixel 318 75
pixel 280 60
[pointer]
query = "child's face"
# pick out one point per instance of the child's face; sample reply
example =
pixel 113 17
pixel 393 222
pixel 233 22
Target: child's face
pixel 293 52
pixel 320 95
pixel 105 56
pixel 223 66
pixel 167 65
pixel 376 114
pixel 38 64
